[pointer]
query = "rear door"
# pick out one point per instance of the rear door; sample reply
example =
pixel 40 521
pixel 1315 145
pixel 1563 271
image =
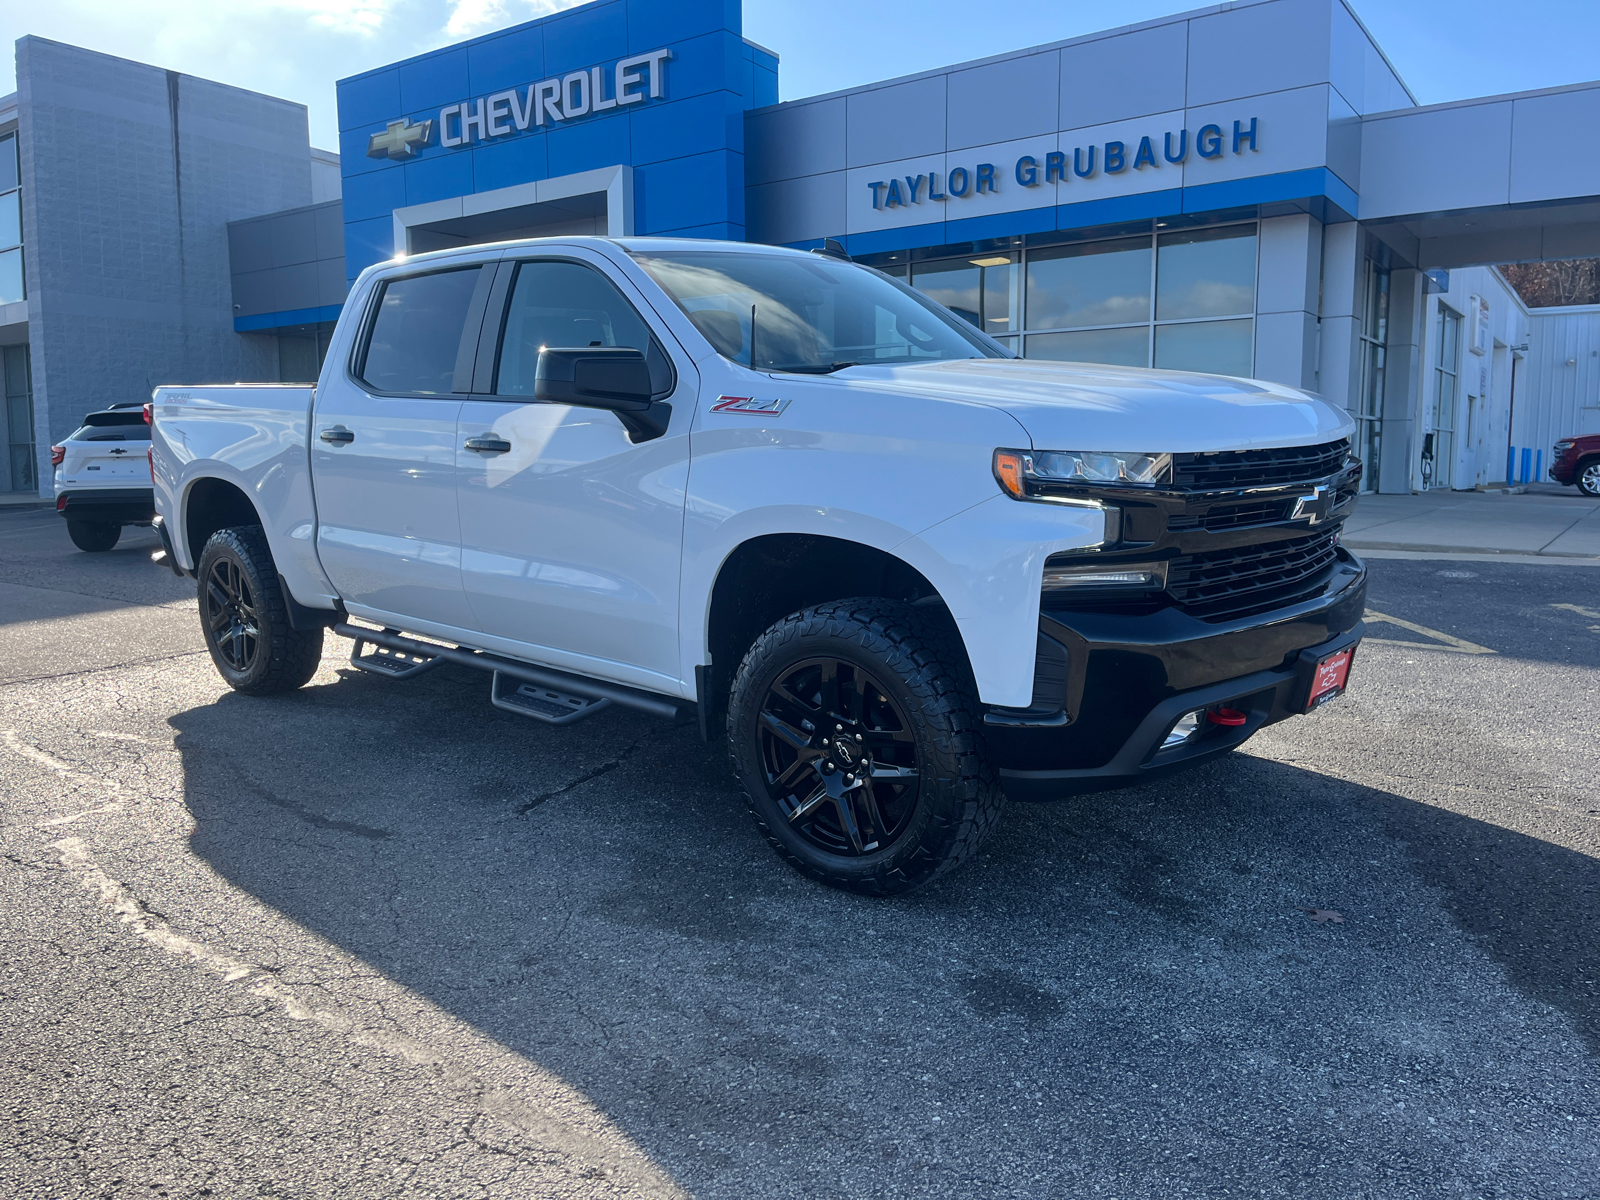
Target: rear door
pixel 383 449
pixel 572 533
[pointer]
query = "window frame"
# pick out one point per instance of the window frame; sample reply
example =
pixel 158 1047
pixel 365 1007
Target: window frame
pixel 491 338
pixel 466 348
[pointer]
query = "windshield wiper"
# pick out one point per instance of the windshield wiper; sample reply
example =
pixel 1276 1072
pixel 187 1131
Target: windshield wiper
pixel 813 369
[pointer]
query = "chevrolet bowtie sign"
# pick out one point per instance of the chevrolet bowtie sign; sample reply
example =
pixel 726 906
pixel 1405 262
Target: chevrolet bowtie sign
pixel 401 140
pixel 550 102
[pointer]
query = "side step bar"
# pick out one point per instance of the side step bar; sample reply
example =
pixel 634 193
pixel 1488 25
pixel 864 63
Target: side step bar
pixel 399 657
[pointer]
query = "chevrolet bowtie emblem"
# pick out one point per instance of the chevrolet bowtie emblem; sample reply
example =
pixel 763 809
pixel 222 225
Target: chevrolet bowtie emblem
pixel 400 140
pixel 1316 507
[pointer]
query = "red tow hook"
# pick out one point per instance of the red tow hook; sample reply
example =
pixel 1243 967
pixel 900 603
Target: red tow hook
pixel 1226 716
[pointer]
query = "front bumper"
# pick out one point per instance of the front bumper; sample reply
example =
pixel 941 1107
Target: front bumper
pixel 118 506
pixel 1122 679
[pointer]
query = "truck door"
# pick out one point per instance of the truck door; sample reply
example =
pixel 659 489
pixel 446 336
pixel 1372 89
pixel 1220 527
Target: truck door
pixel 571 533
pixel 383 450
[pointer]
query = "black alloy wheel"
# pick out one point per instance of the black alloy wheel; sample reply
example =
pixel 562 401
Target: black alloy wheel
pixel 244 614
pixel 839 756
pixel 855 731
pixel 230 614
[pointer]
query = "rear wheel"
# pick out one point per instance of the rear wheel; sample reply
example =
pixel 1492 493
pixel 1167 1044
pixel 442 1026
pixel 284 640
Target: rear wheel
pixel 246 620
pixel 858 746
pixel 1588 479
pixel 93 536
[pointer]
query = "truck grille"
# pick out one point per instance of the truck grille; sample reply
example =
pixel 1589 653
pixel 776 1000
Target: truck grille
pixel 1223 469
pixel 1228 583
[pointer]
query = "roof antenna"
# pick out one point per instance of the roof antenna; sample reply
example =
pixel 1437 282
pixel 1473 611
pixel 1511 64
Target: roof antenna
pixel 833 248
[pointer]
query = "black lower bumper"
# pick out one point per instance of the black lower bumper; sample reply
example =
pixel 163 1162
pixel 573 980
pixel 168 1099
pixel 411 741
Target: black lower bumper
pixel 1124 679
pixel 114 506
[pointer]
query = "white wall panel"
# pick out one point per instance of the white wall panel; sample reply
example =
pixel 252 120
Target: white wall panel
pixel 1285 43
pixel 1437 159
pixel 1003 101
pixel 790 142
pixel 1135 73
pixel 1291 135
pixel 894 122
pixel 1552 146
pixel 796 210
pixel 1555 399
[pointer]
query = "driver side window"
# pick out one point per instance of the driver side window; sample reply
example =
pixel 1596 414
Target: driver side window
pixel 566 305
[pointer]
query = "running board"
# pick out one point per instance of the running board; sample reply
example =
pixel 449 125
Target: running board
pixel 541 703
pixel 564 684
pixel 390 662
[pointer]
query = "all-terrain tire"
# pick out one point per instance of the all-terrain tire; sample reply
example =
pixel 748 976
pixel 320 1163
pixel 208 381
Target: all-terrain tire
pixel 245 619
pixel 922 668
pixel 94 536
pixel 1587 477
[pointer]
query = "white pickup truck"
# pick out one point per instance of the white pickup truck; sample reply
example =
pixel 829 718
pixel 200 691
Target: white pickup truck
pixel 902 571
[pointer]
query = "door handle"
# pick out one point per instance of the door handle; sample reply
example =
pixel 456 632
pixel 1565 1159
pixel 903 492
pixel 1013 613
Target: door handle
pixel 488 444
pixel 337 435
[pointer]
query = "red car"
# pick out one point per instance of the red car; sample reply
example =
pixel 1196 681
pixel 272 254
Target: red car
pixel 1578 461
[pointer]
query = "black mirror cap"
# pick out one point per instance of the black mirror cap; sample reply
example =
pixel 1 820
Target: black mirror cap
pixel 612 377
pixel 615 378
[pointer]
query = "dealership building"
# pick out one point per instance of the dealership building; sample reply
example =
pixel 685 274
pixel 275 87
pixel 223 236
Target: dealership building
pixel 1248 188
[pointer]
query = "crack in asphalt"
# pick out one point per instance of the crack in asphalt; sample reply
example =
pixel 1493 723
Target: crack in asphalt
pixel 554 1140
pixel 604 768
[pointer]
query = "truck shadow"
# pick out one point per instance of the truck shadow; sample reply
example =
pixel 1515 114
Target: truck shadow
pixel 596 899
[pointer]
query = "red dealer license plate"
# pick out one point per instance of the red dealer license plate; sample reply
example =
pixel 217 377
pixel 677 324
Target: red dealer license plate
pixel 1331 675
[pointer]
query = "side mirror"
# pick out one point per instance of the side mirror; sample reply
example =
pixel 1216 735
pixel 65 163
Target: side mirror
pixel 615 378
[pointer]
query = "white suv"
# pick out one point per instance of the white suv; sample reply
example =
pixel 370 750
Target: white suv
pixel 102 476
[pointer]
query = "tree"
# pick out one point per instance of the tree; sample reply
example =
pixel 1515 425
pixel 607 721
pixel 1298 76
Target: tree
pixel 1548 284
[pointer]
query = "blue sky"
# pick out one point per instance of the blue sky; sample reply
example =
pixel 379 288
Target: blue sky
pixel 297 48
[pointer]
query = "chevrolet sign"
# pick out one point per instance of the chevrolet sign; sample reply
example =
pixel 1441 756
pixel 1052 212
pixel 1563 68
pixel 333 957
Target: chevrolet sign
pixel 554 101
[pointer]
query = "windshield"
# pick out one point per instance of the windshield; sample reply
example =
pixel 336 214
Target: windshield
pixel 781 312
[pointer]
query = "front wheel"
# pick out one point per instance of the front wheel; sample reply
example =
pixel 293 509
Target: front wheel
pixel 246 620
pixel 1589 477
pixel 94 536
pixel 858 746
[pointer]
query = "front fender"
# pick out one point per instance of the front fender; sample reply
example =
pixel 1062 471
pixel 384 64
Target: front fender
pixel 988 564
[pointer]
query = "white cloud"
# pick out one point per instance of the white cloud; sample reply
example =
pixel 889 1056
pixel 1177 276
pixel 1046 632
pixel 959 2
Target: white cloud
pixel 469 17
pixel 363 17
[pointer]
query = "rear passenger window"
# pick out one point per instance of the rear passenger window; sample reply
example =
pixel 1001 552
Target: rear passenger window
pixel 566 305
pixel 416 335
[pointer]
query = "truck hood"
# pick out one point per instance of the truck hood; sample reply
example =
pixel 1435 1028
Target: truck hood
pixel 1085 406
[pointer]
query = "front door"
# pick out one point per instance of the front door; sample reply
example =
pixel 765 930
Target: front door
pixel 383 452
pixel 571 532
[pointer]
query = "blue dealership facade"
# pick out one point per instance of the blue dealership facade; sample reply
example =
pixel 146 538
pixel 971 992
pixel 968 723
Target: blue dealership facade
pixel 1247 188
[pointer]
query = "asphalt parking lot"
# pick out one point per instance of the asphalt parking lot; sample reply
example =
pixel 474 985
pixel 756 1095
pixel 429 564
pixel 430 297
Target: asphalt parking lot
pixel 380 939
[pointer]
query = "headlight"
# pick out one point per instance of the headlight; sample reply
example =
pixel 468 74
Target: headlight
pixel 1028 474
pixel 1564 445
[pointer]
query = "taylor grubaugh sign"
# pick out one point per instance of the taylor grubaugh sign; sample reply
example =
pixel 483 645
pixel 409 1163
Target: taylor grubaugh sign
pixel 1059 166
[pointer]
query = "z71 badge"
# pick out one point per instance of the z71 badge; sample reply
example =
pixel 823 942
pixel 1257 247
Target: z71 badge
pixel 749 404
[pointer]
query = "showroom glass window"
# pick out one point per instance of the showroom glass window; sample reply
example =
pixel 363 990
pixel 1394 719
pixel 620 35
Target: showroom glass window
pixel 1180 299
pixel 18 400
pixel 11 284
